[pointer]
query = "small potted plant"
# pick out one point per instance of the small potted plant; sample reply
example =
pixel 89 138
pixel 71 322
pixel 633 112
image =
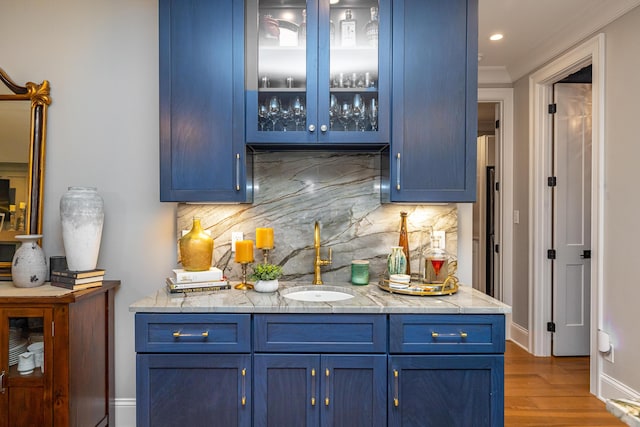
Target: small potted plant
pixel 266 277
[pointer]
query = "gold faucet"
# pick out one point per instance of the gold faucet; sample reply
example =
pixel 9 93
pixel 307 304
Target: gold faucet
pixel 318 261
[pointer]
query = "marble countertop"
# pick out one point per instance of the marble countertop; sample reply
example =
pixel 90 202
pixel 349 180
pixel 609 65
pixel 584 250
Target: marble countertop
pixel 367 299
pixel 621 409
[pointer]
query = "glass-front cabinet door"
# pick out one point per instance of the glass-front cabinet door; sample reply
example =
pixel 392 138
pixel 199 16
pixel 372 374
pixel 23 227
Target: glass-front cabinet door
pixel 317 72
pixel 25 372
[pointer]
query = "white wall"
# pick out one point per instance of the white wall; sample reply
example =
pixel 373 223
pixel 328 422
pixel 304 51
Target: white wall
pixel 622 201
pixel 101 58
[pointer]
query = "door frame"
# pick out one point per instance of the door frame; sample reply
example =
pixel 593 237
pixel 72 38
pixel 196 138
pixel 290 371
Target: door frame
pixel 540 134
pixel 504 163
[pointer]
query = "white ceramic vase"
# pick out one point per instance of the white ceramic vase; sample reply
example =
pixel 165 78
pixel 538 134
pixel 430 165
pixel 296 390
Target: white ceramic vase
pixel 266 285
pixel 29 266
pixel 82 218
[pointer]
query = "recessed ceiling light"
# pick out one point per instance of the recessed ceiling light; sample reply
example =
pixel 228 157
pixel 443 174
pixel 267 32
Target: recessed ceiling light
pixel 495 37
pixel 334 1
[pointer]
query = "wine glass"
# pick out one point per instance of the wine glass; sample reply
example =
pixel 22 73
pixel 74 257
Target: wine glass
pixel 359 110
pixel 263 116
pixel 333 110
pixel 345 114
pixel 373 114
pixel 274 111
pixel 298 111
pixel 285 114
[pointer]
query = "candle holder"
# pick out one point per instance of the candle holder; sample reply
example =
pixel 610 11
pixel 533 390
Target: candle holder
pixel 265 255
pixel 244 285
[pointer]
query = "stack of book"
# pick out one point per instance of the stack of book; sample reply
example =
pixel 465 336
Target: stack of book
pixel 77 280
pixel 182 281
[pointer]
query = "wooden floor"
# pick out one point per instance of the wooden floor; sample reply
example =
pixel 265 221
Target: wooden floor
pixel 550 391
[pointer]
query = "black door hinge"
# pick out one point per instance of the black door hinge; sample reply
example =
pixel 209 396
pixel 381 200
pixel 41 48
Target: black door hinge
pixel 497 249
pixel 497 186
pixel 552 181
pixel 551 327
pixel 497 124
pixel 551 254
pixel 552 108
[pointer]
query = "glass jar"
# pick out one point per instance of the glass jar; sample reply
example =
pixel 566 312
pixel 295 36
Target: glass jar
pixel 436 263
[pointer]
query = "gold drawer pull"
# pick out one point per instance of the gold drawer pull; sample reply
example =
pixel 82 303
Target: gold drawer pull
pixel 326 397
pixel 244 387
pixel 179 334
pixel 313 387
pixel 437 335
pixel 396 400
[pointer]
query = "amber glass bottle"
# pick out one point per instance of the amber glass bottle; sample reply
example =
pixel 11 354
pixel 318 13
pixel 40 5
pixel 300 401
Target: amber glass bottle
pixel 196 248
pixel 404 239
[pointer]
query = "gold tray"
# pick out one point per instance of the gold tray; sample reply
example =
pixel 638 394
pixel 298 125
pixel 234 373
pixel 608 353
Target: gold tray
pixel 421 288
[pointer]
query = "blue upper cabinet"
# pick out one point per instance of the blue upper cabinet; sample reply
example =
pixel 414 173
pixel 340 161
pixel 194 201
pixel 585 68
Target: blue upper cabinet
pixel 202 147
pixel 318 74
pixel 432 156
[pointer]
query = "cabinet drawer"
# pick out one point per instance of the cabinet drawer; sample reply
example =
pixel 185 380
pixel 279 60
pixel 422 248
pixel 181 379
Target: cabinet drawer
pixel 193 333
pixel 446 334
pixel 318 333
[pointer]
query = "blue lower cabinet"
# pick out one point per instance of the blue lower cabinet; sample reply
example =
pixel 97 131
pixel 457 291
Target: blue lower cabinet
pixel 446 390
pixel 320 390
pixel 193 390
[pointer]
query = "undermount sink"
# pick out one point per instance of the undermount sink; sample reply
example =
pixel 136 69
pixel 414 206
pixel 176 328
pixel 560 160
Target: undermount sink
pixel 318 293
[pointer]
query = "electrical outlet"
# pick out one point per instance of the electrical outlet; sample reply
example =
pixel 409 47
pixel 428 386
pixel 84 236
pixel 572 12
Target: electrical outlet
pixel 440 236
pixel 235 236
pixel 516 217
pixel 609 356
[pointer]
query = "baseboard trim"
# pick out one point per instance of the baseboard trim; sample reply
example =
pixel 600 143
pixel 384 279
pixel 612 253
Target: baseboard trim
pixel 610 388
pixel 125 412
pixel 519 335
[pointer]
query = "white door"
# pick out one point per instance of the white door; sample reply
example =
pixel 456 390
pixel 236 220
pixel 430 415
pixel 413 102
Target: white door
pixel 572 219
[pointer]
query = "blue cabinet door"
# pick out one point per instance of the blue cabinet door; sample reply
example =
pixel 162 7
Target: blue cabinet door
pixel 193 390
pixel 353 391
pixel 320 390
pixel 446 390
pixel 321 69
pixel 202 151
pixel 432 156
pixel 287 390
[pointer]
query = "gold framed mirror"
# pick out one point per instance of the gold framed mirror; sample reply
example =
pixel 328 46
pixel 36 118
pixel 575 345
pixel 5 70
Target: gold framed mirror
pixel 23 118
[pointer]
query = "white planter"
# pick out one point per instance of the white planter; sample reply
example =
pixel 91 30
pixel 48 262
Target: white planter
pixel 266 285
pixel 29 265
pixel 82 218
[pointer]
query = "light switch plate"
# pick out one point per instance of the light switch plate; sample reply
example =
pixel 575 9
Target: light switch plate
pixel 235 236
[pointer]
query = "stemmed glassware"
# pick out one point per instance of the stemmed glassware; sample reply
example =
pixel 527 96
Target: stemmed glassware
pixel 263 115
pixel 373 114
pixel 298 111
pixel 274 111
pixel 345 114
pixel 359 110
pixel 333 110
pixel 285 115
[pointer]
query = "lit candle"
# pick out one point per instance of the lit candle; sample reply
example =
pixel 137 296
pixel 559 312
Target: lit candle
pixel 264 238
pixel 244 251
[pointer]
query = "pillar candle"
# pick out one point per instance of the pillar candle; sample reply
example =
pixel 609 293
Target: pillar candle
pixel 264 238
pixel 244 251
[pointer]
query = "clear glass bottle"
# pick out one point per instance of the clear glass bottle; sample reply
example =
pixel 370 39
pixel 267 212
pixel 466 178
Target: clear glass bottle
pixel 302 30
pixel 371 29
pixel 436 263
pixel 348 30
pixel 404 240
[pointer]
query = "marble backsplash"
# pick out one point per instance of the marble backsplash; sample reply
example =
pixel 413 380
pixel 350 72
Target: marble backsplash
pixel 292 190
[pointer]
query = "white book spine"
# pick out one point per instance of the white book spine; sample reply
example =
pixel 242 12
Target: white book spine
pixel 183 276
